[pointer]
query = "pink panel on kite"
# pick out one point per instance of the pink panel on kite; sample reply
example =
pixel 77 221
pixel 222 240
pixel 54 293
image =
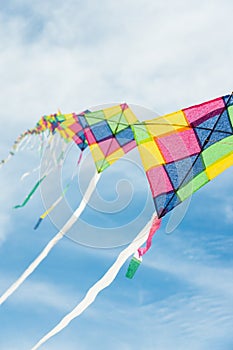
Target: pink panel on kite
pixel 178 145
pixel 159 181
pixel 197 112
pixel 76 127
pixel 77 139
pixel 89 136
pixel 109 146
pixel 129 146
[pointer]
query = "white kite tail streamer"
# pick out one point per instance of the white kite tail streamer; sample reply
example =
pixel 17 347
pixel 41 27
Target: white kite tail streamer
pixel 104 282
pixel 53 242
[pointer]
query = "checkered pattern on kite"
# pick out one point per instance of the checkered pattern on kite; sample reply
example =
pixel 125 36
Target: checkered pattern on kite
pixel 109 134
pixel 67 125
pixel 71 129
pixel 184 150
pixel 180 151
pixel 45 123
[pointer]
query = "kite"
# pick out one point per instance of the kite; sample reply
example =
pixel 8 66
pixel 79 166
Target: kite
pixel 180 152
pixel 110 129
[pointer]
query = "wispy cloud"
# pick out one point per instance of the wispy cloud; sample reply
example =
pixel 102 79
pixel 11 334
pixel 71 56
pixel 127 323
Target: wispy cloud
pixel 37 294
pixel 165 56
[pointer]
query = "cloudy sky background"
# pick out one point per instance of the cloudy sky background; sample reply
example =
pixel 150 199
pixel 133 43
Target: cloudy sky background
pixel 73 55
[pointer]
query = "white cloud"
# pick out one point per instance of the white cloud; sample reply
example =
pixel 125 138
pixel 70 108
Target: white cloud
pixel 72 55
pixel 38 294
pixel 86 55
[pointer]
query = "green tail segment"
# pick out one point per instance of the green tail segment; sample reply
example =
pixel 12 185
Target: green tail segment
pixel 133 266
pixel 30 194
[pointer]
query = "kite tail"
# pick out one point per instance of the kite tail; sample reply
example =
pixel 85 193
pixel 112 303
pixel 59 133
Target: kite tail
pixel 154 227
pixel 29 173
pixel 4 161
pixel 16 145
pixel 13 150
pixel 137 258
pixel 30 194
pixel 53 206
pixel 104 282
pixel 53 242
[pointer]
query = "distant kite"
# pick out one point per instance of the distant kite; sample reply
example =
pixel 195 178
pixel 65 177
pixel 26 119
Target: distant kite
pixel 180 153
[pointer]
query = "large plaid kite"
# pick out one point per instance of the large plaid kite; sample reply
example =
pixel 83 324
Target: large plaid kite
pixel 184 150
pixel 180 152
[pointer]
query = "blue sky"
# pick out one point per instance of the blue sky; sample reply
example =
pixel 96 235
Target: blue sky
pixel 74 55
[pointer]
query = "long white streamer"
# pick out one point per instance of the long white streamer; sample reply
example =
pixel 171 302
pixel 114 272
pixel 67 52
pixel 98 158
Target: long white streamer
pixel 104 282
pixel 54 240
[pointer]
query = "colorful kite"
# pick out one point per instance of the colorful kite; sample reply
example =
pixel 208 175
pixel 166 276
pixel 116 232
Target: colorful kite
pixel 180 152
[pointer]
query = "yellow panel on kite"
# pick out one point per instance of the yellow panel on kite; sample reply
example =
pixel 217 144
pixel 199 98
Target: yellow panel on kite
pixel 130 116
pixel 218 167
pixel 167 124
pixel 111 111
pixel 115 156
pixel 150 155
pixel 96 152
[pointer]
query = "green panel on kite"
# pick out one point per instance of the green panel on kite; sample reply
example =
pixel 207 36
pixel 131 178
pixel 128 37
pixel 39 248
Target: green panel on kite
pixel 217 151
pixel 141 134
pixel 60 118
pixel 95 117
pixel 118 123
pixel 191 187
pixel 230 112
pixel 101 165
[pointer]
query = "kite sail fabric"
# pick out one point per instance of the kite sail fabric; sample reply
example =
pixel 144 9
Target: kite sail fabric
pixel 184 150
pixel 109 134
pixel 71 129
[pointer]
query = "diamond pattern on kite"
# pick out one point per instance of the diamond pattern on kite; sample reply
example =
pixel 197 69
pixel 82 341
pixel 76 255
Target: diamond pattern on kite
pixel 193 154
pixel 180 151
pixel 159 181
pixel 182 171
pixel 178 145
pixel 166 202
pixel 125 136
pixel 219 127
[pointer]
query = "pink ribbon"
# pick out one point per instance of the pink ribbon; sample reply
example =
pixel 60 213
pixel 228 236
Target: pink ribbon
pixel 154 227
